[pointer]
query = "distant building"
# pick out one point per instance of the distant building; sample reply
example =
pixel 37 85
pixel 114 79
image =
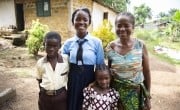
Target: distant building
pixel 156 24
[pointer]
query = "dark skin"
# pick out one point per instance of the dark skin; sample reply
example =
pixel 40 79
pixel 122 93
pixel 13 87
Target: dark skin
pixel 124 29
pixel 102 83
pixel 53 57
pixel 81 23
pixel 52 46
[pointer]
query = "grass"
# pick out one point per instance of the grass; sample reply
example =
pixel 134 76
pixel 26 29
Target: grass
pixel 153 38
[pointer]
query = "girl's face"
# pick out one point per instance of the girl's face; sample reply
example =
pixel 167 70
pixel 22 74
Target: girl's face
pixel 52 46
pixel 81 23
pixel 124 27
pixel 103 79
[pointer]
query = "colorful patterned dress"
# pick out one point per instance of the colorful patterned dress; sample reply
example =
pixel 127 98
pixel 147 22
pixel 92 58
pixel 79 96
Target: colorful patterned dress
pixel 128 69
pixel 96 101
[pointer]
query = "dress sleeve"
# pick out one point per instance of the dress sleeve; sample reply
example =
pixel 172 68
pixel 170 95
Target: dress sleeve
pixel 115 98
pixel 86 100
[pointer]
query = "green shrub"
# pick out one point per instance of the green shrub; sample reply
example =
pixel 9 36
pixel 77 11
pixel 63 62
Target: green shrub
pixel 35 37
pixel 104 32
pixel 143 34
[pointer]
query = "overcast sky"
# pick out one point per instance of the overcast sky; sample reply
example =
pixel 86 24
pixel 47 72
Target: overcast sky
pixel 156 6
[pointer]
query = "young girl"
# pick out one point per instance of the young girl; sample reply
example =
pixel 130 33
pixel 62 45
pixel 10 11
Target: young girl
pixel 51 75
pixel 85 51
pixel 100 96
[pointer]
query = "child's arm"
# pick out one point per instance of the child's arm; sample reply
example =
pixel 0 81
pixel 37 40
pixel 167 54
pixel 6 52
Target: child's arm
pixel 39 71
pixel 86 100
pixel 39 81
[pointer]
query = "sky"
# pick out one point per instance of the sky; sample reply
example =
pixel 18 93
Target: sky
pixel 156 6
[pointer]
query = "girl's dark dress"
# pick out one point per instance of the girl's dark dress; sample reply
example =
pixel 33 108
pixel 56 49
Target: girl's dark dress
pixel 79 77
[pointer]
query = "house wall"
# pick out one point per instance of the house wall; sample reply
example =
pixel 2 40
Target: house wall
pixel 97 18
pixel 7 15
pixel 61 14
pixel 58 21
pixel 82 3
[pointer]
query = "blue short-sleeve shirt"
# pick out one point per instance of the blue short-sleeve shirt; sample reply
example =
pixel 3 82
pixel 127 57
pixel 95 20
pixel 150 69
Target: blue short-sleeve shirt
pixel 92 50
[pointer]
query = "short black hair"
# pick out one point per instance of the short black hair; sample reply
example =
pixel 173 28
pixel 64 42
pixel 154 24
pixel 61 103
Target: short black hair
pixel 128 14
pixel 102 67
pixel 52 35
pixel 81 9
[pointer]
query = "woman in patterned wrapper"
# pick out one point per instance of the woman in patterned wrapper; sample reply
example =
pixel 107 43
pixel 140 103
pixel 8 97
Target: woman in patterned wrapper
pixel 128 58
pixel 100 96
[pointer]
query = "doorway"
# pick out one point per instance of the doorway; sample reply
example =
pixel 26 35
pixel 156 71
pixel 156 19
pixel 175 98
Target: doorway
pixel 19 17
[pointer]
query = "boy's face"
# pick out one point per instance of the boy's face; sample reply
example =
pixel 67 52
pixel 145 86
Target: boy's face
pixel 52 46
pixel 103 79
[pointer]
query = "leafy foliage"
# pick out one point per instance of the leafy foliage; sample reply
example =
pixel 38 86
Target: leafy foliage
pixel 104 32
pixel 162 14
pixel 141 13
pixel 36 36
pixel 155 38
pixel 118 5
pixel 172 30
pixel 172 11
pixel 176 16
pixel 175 27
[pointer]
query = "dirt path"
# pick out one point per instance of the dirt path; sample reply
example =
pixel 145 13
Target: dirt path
pixel 16 69
pixel 165 85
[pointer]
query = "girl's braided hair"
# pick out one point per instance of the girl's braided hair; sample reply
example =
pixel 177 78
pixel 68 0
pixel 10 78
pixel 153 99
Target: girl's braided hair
pixel 102 67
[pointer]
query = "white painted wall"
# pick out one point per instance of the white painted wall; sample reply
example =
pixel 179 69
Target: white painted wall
pixel 7 13
pixel 97 15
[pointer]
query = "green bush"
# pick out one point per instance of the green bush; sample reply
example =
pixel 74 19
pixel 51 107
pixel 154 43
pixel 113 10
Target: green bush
pixel 143 34
pixel 104 32
pixel 36 36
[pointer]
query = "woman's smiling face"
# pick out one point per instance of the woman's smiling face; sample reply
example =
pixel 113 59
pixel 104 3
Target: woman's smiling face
pixel 81 23
pixel 124 27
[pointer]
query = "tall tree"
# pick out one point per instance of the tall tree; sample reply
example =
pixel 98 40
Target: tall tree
pixel 142 13
pixel 167 17
pixel 162 14
pixel 172 11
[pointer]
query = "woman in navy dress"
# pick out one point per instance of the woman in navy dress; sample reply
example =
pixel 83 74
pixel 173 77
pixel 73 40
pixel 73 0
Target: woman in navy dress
pixel 85 51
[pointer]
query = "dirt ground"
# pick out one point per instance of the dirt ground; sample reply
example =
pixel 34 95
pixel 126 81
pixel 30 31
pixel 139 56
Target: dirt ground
pixel 17 68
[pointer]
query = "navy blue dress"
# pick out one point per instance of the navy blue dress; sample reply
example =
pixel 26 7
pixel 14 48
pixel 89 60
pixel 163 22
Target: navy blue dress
pixel 79 78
